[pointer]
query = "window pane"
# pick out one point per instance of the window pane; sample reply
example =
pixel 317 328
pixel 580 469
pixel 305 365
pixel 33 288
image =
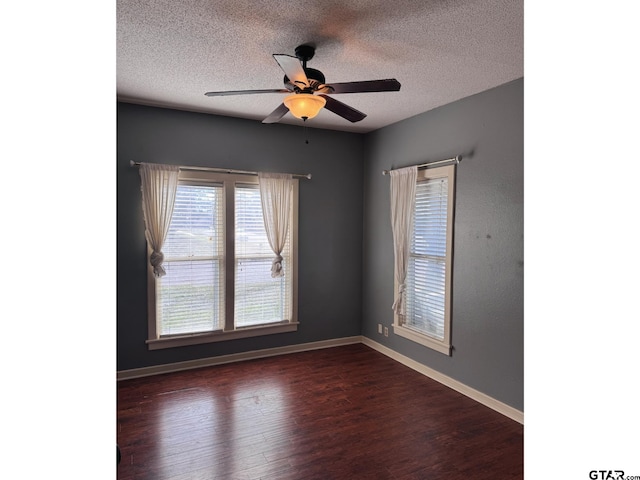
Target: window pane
pixel 196 225
pixel 190 296
pixel 259 298
pixel 190 299
pixel 430 218
pixel 426 296
pixel 251 237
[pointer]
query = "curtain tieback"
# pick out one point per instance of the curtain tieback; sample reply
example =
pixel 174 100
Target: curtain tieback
pixel 398 305
pixel 156 262
pixel 276 267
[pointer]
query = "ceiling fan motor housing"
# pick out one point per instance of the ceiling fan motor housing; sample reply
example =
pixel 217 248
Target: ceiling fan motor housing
pixel 316 79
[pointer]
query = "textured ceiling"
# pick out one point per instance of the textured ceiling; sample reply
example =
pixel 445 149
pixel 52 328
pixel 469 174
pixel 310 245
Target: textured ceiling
pixel 169 53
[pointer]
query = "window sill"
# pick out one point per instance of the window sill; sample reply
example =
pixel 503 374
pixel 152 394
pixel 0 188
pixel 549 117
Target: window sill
pixel 422 339
pixel 221 336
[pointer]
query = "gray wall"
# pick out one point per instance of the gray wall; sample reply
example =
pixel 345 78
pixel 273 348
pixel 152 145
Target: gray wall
pixel 330 224
pixel 487 312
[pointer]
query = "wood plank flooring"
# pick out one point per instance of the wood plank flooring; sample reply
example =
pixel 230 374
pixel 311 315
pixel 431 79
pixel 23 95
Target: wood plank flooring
pixel 339 413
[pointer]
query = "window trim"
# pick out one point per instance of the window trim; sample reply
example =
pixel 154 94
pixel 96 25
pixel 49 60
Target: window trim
pixel 229 181
pixel 442 346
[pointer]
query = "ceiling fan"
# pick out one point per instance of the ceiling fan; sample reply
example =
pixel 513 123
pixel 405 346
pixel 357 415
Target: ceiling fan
pixel 308 90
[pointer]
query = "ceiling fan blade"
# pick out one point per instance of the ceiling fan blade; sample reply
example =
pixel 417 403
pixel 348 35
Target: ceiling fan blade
pixel 277 114
pixel 342 109
pixel 388 85
pixel 245 92
pixel 292 69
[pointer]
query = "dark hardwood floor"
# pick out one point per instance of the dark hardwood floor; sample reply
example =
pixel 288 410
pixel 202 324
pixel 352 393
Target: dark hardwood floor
pixel 339 413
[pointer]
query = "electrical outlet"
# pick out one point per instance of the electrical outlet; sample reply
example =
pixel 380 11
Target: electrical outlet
pixel 379 328
pixel 386 331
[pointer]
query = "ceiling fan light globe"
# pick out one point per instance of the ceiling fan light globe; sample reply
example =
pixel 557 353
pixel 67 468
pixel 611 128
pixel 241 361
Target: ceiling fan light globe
pixel 304 105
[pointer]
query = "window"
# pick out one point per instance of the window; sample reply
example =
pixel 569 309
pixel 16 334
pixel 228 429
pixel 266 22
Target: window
pixel 217 258
pixel 190 297
pixel 259 298
pixel 428 281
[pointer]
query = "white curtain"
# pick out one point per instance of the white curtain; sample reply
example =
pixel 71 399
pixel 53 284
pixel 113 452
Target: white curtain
pixel 403 193
pixel 275 195
pixel 159 185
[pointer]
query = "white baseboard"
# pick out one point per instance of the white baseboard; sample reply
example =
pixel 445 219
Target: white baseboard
pixel 236 357
pixel 480 397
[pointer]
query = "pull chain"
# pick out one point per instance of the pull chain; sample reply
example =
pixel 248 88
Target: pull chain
pixel 304 130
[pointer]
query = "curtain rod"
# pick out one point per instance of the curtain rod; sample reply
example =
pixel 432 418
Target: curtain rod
pixel 224 170
pixel 455 159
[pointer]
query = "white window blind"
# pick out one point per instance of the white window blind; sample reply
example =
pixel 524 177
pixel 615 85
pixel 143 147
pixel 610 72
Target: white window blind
pixel 190 297
pixel 426 275
pixel 259 298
